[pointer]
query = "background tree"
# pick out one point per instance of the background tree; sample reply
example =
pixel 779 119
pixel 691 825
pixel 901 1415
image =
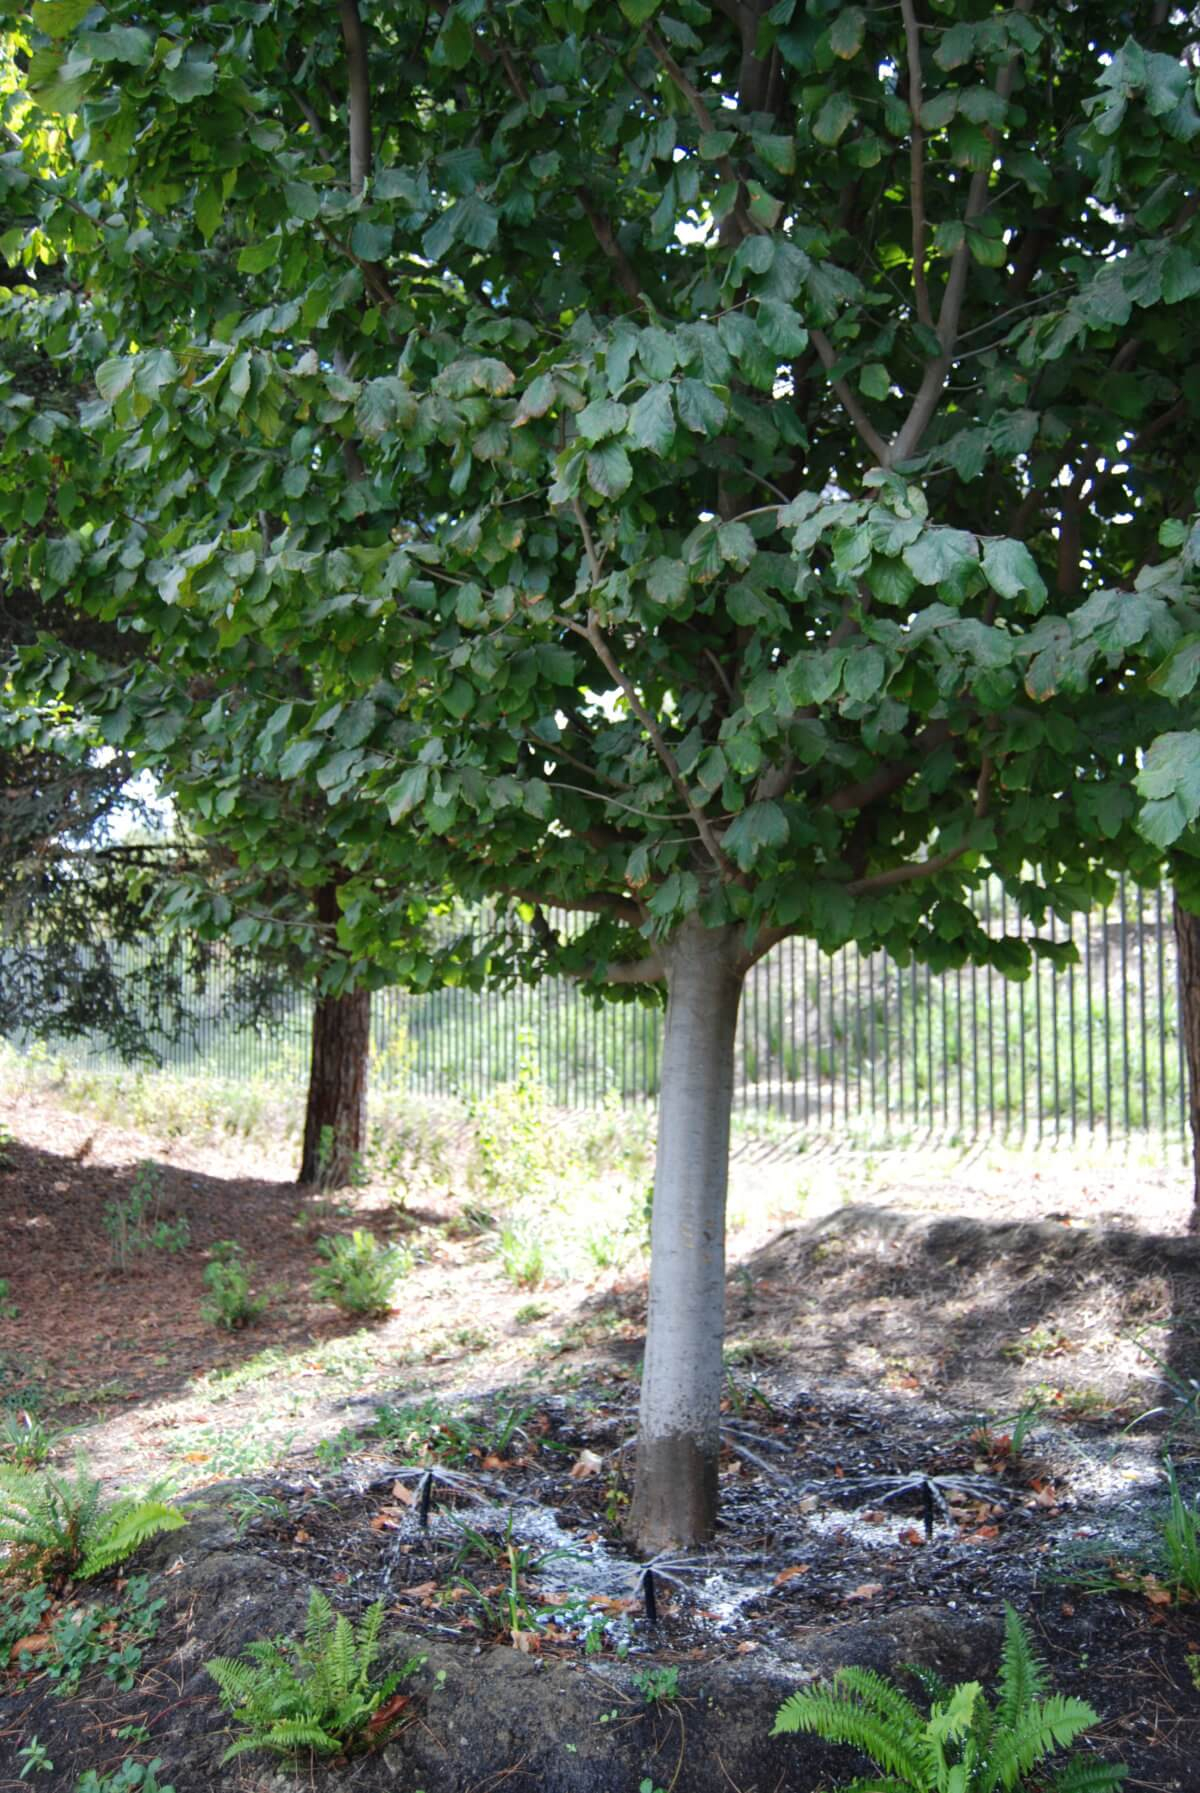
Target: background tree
pixel 699 453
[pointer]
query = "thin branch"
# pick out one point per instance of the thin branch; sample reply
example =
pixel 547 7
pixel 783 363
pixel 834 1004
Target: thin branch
pixel 886 779
pixel 606 237
pixel 594 560
pixel 649 970
pixel 927 868
pixel 359 88
pixel 850 404
pixel 603 903
pixel 912 38
pixel 704 827
pixel 704 119
pixel 937 371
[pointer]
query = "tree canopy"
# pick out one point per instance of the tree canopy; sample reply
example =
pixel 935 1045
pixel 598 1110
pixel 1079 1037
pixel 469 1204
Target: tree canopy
pixel 723 468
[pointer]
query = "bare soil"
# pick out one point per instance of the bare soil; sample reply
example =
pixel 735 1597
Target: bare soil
pixel 874 1508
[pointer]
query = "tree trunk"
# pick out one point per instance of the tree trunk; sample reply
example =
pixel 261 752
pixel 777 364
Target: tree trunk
pixel 675 1495
pixel 335 1118
pixel 1187 938
pixel 336 1115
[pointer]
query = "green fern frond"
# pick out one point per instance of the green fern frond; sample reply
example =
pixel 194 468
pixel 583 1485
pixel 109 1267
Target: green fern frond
pixel 1082 1776
pixel 125 1529
pixel 1023 1678
pixel 318 1623
pixel 831 1712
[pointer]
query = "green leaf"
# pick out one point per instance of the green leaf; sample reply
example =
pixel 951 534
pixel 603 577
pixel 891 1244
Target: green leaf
pixel 941 556
pixel 1012 572
pixel 656 352
pixel 781 328
pixel 299 755
pixel 58 18
pixel 667 581
pixel 371 241
pixel 864 672
pixel 638 11
pixel 847 32
pixel 209 208
pixel 384 404
pixel 1169 780
pixel 1177 676
pixel 63 555
pixel 831 121
pixel 700 408
pixel 114 377
pixel 191 79
pixel 537 398
pixel 652 420
pixel 874 380
pixel 758 829
pixel 777 152
pixel 603 417
pixel 255 258
pixel 608 470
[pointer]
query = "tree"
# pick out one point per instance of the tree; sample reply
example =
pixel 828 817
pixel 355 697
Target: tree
pixel 724 469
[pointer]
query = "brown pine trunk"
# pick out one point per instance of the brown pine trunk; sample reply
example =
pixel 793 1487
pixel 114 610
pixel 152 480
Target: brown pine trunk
pixel 1187 938
pixel 336 1115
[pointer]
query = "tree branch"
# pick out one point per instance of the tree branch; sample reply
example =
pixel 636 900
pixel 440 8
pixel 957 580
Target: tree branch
pixel 649 970
pixel 928 868
pixel 912 39
pixel 937 371
pixel 605 236
pixel 359 90
pixel 704 827
pixel 854 410
pixel 603 903
pixel 704 119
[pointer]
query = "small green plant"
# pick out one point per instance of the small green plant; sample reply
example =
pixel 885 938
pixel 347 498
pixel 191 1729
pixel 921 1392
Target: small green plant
pixel 657 1686
pixel 6 1144
pixel 133 1223
pixel 130 1777
pixel 1180 1542
pixel 57 1527
pixel 965 1744
pixel 8 1307
pixel 314 1694
pixel 522 1256
pixel 230 1303
pixel 513 1140
pixel 25 1439
pixel 359 1274
pixel 530 1312
pixel 34 1759
pixel 20 1616
pixel 106 1636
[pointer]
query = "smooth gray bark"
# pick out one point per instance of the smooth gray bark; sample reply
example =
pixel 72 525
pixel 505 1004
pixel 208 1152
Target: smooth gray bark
pixel 675 1495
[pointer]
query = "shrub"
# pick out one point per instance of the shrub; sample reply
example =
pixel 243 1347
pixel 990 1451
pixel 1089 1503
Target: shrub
pixel 965 1743
pixel 54 1526
pixel 359 1273
pixel 230 1303
pixel 313 1694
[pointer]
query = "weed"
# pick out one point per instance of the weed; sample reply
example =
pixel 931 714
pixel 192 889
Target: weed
pixel 657 1686
pixel 315 1693
pixel 133 1223
pixel 20 1617
pixel 6 1144
pixel 56 1527
pixel 233 1453
pixel 8 1307
pixel 230 1303
pixel 522 1255
pixel 965 1742
pixel 25 1439
pixel 531 1312
pixel 1004 1441
pixel 1181 1541
pixel 359 1273
pixel 107 1636
pixel 34 1759
pixel 1036 1341
pixel 333 1452
pixel 130 1777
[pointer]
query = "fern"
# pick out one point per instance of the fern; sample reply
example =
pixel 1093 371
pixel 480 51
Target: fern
pixel 314 1693
pixel 55 1526
pixel 966 1744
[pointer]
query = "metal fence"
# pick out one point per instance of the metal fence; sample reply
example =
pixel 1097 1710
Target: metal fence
pixel 824 1042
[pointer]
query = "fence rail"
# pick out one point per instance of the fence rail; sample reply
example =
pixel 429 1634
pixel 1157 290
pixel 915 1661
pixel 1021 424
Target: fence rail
pixel 823 1041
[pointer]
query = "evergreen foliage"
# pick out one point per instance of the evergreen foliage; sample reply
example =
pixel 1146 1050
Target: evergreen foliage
pixel 965 1743
pixel 54 1526
pixel 313 1694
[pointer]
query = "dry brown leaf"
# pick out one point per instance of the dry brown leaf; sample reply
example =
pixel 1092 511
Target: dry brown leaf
pixel 869 1590
pixel 587 1463
pixel 387 1713
pixel 422 1591
pixel 528 1642
pixel 746 1646
pixel 912 1534
pixel 790 1574
pixel 302 1537
pixel 37 1640
pixel 407 1496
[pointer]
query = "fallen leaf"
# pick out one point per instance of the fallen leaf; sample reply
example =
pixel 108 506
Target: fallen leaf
pixel 912 1535
pixel 401 1493
pixel 868 1591
pixel 302 1537
pixel 387 1714
pixel 1067 1610
pixel 746 1646
pixel 873 1516
pixel 588 1463
pixel 786 1575
pixel 37 1640
pixel 492 1461
pixel 528 1642
pixel 983 1534
pixel 422 1590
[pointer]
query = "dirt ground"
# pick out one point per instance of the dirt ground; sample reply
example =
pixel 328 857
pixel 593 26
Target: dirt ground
pixel 951 1378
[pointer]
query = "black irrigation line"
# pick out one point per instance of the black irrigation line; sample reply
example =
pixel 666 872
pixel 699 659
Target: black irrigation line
pixel 826 1043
